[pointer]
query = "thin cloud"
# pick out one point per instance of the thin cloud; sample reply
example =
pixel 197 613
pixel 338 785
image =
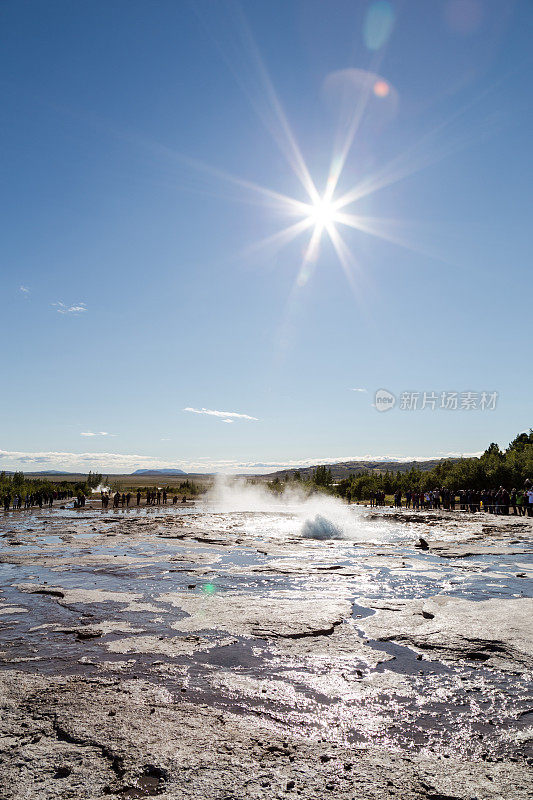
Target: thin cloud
pixel 359 390
pixel 225 416
pixel 61 308
pixel 99 433
pixel 442 454
pixel 83 462
pixel 125 463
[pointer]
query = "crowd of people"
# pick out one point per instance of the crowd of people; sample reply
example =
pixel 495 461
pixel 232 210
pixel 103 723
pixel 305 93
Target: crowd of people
pixel 45 499
pixel 40 499
pixel 493 501
pixel 153 497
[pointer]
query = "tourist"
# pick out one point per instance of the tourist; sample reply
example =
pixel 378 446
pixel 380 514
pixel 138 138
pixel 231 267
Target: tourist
pixel 529 494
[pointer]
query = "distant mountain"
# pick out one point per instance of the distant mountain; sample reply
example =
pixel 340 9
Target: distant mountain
pixel 50 473
pixel 343 469
pixel 55 472
pixel 159 472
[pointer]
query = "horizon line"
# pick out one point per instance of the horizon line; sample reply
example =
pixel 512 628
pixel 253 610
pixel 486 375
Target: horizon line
pixel 126 464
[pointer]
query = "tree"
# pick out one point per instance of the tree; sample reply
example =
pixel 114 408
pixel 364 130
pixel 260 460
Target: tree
pixel 18 479
pixel 322 476
pixel 94 479
pixel 493 451
pixel 521 441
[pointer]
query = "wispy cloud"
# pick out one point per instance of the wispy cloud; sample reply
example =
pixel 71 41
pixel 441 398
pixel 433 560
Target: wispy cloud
pixel 359 390
pixel 125 463
pixel 61 308
pixel 24 290
pixel 442 454
pixel 98 433
pixel 225 416
pixel 83 462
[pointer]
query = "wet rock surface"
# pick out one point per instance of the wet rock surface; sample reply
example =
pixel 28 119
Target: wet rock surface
pixel 195 652
pixel 495 632
pixel 94 739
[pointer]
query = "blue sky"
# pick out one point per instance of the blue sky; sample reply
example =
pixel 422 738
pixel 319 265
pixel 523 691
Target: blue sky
pixel 138 291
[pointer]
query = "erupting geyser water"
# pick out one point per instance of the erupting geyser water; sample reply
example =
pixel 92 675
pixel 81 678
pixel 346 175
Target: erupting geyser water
pixel 100 488
pixel 320 528
pixel 293 512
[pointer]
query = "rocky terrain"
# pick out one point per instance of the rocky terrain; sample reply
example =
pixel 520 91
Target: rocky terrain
pixel 186 653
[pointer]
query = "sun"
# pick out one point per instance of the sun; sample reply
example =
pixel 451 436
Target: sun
pixel 322 213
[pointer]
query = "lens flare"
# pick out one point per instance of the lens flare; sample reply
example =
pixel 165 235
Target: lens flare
pixel 381 88
pixel 378 25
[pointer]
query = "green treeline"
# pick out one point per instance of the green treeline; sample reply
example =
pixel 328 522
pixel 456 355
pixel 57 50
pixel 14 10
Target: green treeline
pixel 321 478
pixel 19 484
pixel 508 468
pixel 22 485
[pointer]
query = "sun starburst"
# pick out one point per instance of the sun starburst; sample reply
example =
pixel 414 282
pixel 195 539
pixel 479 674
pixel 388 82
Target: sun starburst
pixel 322 213
pixel 318 215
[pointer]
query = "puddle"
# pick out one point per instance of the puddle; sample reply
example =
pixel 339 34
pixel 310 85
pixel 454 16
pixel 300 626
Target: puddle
pixel 148 785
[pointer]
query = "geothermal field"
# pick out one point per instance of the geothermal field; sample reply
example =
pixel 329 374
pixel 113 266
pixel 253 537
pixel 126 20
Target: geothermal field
pixel 248 647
